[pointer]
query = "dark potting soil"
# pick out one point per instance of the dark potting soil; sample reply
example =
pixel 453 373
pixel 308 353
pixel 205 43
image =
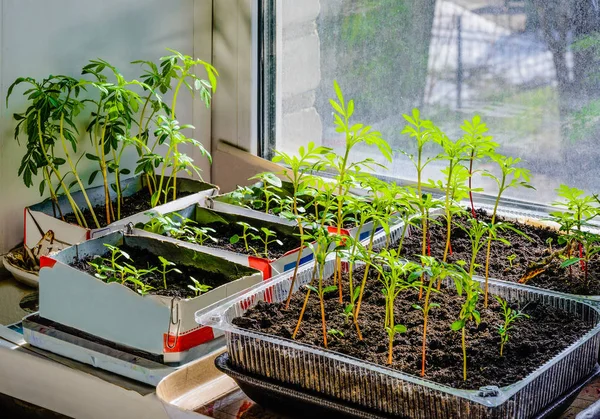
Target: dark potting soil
pixel 532 341
pixel 177 283
pixel 529 254
pixel 224 232
pixel 133 204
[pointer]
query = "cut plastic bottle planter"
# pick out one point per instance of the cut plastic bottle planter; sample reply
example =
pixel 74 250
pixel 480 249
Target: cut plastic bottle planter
pixel 154 324
pixel 227 203
pixel 268 267
pixel 42 217
pixel 386 391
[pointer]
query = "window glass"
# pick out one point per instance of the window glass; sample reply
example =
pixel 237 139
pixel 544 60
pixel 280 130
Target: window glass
pixel 529 68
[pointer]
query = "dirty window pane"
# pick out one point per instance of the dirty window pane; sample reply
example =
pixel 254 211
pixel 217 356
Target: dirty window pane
pixel 529 68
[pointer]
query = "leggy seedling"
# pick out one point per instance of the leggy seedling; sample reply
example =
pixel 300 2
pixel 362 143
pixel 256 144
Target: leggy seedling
pixel 342 165
pixel 479 145
pixel 435 271
pixel 164 269
pixel 396 276
pixel 300 166
pixel 468 311
pixel 510 316
pixel 422 131
pixel 512 176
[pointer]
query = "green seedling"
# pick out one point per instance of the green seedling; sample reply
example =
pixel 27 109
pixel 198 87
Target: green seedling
pixel 435 271
pixel 267 238
pixel 342 165
pixel 510 259
pixel 102 271
pixel 512 177
pixel 115 255
pixel 335 333
pixel 164 269
pixel 299 169
pixel 468 311
pixel 422 131
pixel 479 145
pixel 579 210
pixel 396 276
pixel 202 234
pixel 271 188
pixel 247 233
pixel 510 316
pixel 50 128
pixel 590 246
pixel 198 288
pixel 323 244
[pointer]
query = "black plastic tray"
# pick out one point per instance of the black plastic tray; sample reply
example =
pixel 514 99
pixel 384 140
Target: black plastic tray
pixel 291 402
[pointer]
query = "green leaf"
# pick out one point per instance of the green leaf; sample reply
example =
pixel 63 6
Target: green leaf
pixel 234 239
pixel 400 328
pixel 329 289
pixel 570 262
pixel 92 156
pixel 458 325
pixel 93 176
pixel 312 288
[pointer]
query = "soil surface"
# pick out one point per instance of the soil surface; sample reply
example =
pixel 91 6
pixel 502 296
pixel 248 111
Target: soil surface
pixel 224 232
pixel 528 258
pixel 532 341
pixel 177 283
pixel 136 203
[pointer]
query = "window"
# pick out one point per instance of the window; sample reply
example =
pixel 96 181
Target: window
pixel 529 68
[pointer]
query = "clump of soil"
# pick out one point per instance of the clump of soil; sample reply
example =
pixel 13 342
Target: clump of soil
pixel 532 341
pixel 527 251
pixel 224 232
pixel 177 283
pixel 134 204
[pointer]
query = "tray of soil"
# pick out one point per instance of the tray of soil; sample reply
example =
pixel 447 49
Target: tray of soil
pixel 271 247
pixel 553 345
pixel 536 258
pixel 45 216
pixel 138 292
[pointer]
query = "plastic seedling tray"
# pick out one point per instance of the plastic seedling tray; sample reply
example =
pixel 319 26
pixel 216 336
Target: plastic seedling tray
pixel 268 267
pixel 40 218
pixel 155 324
pixel 392 392
pixel 525 216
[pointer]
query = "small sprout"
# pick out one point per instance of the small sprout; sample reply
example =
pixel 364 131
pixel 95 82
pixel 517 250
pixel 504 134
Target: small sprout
pixel 335 333
pixel 549 241
pixel 511 258
pixel 202 234
pixel 164 271
pixel 510 316
pixel 198 288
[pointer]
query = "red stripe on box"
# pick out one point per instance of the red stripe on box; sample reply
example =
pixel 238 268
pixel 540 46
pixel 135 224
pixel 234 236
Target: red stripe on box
pixel 47 262
pixel 262 265
pixel 172 343
pixel 334 230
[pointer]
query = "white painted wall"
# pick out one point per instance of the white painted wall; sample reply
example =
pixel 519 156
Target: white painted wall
pixel 38 38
